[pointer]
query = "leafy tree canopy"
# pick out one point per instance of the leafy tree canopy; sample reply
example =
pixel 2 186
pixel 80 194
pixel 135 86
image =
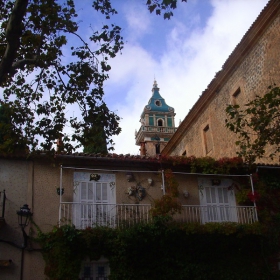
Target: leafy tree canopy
pixel 43 70
pixel 257 125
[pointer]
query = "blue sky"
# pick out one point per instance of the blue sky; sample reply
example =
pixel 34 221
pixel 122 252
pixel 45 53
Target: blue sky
pixel 183 54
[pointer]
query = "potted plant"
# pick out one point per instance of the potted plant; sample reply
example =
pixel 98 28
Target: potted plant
pixel 94 177
pixel 60 191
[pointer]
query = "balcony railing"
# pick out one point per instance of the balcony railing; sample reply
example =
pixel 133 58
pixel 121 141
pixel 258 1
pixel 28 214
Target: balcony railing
pixel 84 215
pixel 217 213
pixel 154 129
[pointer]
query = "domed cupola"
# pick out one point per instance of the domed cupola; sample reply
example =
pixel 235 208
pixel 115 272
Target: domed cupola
pixel 156 102
pixel 157 124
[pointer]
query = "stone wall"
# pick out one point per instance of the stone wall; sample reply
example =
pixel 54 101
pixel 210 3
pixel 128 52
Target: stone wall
pixel 259 68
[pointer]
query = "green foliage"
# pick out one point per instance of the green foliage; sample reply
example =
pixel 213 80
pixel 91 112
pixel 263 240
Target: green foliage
pixel 165 5
pixel 266 196
pixel 47 66
pixel 168 204
pixel 209 165
pixel 257 125
pixel 61 254
pixel 163 249
pixel 268 188
pixel 95 140
pixel 11 140
pixel 206 165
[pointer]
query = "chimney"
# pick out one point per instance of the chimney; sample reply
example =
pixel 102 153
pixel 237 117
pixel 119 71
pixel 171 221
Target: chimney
pixel 59 144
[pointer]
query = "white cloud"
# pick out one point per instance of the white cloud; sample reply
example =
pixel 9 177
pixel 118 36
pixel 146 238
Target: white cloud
pixel 187 65
pixel 137 19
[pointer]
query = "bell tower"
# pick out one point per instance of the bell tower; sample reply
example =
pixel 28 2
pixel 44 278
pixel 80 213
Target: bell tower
pixel 157 125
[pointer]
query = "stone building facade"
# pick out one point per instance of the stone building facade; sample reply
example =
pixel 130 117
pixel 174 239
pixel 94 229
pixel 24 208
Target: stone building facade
pixel 250 69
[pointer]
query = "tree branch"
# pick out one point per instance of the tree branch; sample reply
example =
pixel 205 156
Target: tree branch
pixel 20 63
pixel 13 34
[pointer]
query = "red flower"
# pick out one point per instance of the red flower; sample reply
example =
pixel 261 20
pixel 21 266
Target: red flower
pixel 253 196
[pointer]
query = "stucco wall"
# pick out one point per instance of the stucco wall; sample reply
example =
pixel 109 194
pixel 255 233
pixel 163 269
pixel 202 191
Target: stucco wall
pixel 14 179
pixel 259 69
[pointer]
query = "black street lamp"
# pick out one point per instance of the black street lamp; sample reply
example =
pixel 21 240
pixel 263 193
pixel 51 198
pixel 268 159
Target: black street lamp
pixel 24 215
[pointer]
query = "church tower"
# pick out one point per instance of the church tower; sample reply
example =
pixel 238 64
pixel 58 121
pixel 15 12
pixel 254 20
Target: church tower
pixel 157 125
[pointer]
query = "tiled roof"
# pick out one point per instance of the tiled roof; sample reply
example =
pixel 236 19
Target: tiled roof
pixel 175 160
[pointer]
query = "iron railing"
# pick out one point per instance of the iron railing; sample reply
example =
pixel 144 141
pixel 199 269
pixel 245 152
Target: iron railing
pixel 84 215
pixel 217 213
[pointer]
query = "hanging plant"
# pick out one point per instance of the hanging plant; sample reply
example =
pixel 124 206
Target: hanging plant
pixel 140 192
pixel 60 191
pixel 168 204
pixel 131 190
pixel 94 177
pixel 216 182
pixel 201 188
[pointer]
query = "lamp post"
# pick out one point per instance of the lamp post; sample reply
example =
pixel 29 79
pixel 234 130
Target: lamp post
pixel 24 215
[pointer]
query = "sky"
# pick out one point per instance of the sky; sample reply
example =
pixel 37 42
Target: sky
pixel 182 54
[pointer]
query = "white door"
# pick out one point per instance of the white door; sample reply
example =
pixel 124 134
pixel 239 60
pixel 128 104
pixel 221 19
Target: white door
pixel 94 203
pixel 217 201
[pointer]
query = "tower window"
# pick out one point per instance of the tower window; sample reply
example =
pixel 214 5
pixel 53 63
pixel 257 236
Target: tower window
pixel 160 122
pixel 158 103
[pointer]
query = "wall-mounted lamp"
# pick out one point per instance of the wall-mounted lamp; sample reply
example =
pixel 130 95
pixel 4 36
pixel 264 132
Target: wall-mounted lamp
pixel 186 193
pixel 129 176
pixel 24 215
pixel 150 181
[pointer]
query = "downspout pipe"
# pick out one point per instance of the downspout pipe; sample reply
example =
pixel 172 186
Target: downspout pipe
pixel 60 196
pixel 253 192
pixel 163 182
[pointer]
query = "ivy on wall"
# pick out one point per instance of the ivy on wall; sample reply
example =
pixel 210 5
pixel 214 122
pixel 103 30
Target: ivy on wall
pixel 163 250
pixel 207 165
pixel 168 204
